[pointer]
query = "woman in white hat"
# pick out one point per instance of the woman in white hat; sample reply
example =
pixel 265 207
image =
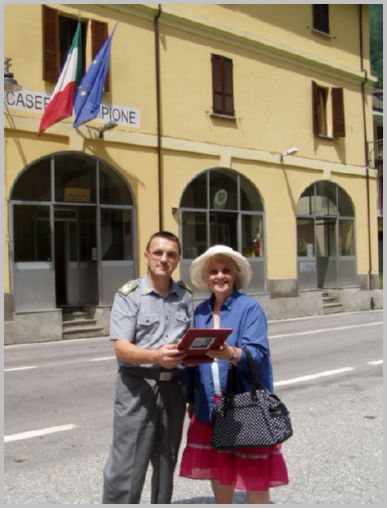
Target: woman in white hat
pixel 224 272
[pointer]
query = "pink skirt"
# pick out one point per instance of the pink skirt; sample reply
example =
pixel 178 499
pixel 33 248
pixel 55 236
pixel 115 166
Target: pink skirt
pixel 256 469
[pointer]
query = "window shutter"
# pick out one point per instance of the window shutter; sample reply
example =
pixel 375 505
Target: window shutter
pixel 222 85
pixel 321 17
pixel 228 88
pixel 315 109
pixel 217 89
pixel 99 34
pixel 51 51
pixel 338 113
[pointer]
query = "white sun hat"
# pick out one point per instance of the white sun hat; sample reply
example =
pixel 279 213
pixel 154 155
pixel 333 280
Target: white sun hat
pixel 198 273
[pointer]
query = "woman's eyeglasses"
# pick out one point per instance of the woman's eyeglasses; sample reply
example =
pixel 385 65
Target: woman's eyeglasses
pixel 158 254
pixel 215 271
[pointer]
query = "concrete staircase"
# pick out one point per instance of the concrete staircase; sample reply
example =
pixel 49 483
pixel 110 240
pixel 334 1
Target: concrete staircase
pixel 79 323
pixel 331 302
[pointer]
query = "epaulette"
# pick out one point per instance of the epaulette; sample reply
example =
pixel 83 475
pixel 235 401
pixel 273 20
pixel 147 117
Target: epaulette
pixel 129 287
pixel 184 285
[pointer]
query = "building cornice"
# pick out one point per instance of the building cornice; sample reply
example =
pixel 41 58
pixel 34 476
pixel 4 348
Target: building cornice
pixel 244 40
pixel 226 156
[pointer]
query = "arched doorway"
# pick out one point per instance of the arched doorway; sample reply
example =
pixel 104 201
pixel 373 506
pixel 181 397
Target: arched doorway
pixel 325 237
pixel 220 206
pixel 71 233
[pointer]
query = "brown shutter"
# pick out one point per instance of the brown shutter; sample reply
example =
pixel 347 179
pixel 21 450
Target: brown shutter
pixel 217 84
pixel 315 109
pixel 321 17
pixel 338 113
pixel 228 88
pixel 222 85
pixel 99 34
pixel 51 51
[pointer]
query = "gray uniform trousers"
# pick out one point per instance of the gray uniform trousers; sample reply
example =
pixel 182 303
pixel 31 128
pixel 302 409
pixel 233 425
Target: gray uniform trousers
pixel 147 427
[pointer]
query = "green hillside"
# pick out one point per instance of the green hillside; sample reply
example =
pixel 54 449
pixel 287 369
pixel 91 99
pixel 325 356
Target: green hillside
pixel 376 43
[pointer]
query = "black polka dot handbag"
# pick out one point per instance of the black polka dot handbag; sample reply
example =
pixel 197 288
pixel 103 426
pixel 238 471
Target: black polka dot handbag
pixel 252 419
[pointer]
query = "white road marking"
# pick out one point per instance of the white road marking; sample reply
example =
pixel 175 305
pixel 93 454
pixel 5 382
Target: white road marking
pixel 26 367
pixel 320 330
pixel 61 428
pixel 38 433
pixel 293 334
pixel 313 376
pixel 105 338
pixel 323 316
pixel 64 343
pixel 102 358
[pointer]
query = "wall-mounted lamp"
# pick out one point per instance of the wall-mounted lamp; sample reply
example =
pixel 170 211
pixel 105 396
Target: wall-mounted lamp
pixel 289 151
pixel 10 83
pixel 106 127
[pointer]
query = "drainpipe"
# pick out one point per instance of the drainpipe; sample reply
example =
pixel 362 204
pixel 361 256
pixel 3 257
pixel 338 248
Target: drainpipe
pixel 366 152
pixel 158 111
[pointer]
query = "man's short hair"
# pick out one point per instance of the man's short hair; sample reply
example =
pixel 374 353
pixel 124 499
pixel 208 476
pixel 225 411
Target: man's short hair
pixel 168 236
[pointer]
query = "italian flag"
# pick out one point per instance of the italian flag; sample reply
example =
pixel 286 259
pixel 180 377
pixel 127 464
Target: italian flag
pixel 61 103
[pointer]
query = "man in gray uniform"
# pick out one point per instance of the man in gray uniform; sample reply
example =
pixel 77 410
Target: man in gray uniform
pixel 149 316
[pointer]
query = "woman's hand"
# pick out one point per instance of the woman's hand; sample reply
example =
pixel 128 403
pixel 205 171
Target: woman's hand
pixel 226 352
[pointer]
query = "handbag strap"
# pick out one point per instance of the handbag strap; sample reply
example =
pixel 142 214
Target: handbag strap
pixel 256 384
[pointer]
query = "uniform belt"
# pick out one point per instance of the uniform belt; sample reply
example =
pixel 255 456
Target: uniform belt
pixel 149 373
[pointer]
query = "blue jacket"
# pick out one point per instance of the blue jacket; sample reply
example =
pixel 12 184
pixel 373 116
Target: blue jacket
pixel 246 317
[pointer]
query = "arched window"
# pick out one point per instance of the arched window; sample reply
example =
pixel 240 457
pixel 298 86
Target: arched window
pixel 220 206
pixel 72 232
pixel 325 237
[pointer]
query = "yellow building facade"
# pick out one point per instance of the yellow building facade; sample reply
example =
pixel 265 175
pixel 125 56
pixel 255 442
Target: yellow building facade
pixel 240 124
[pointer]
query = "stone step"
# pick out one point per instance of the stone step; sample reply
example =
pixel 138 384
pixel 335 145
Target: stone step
pixel 68 323
pixel 330 299
pixel 70 316
pixel 81 332
pixel 332 308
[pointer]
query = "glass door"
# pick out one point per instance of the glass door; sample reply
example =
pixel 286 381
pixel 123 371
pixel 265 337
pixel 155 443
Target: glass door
pixel 76 273
pixel 66 257
pixel 306 254
pixel 326 247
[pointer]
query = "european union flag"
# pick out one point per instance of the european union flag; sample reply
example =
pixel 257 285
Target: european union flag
pixel 89 94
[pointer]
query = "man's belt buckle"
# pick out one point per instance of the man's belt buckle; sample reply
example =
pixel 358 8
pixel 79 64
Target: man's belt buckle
pixel 165 376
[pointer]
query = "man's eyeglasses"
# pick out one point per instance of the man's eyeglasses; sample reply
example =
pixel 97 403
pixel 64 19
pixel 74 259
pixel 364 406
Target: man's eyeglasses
pixel 158 254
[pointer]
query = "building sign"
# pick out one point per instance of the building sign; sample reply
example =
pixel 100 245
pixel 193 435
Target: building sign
pixel 77 194
pixel 37 101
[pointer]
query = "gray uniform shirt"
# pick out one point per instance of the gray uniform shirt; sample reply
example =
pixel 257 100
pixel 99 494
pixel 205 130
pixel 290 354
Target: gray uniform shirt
pixel 148 319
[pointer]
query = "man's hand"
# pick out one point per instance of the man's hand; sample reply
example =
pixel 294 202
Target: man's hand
pixel 168 356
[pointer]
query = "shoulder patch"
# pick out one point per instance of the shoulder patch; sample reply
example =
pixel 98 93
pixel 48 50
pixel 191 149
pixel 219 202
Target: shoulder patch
pixel 184 285
pixel 129 287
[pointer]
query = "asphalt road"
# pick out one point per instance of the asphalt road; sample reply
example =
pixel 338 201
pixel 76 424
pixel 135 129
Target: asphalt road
pixel 328 370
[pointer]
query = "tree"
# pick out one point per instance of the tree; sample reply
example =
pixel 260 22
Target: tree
pixel 376 41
